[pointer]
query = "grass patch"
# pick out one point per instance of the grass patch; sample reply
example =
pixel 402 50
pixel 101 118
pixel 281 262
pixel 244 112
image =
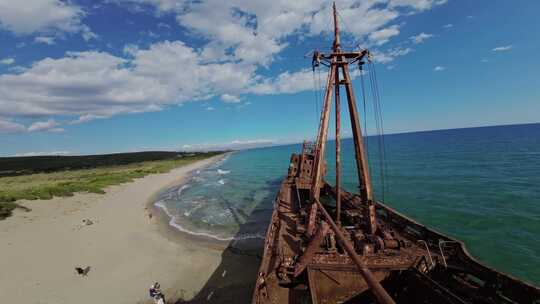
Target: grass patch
pixel 6 209
pixel 66 183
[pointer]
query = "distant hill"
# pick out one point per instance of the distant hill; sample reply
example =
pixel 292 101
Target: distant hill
pixel 10 166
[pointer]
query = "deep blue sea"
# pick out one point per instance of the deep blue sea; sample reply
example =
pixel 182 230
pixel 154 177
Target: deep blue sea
pixel 480 185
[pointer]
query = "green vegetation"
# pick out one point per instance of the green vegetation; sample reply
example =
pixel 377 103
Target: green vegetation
pixel 10 166
pixel 67 182
pixel 6 209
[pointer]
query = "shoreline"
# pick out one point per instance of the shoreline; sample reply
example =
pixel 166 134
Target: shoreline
pixel 125 248
pixel 233 280
pixel 165 229
pixel 166 217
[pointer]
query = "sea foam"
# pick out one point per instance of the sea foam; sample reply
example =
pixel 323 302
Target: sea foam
pixel 223 172
pixel 173 223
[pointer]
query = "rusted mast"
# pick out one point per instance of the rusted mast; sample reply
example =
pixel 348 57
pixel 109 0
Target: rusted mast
pixel 337 61
pixel 364 179
pixel 321 147
pixel 337 50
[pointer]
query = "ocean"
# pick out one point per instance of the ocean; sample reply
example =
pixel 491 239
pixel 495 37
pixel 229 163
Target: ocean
pixel 480 185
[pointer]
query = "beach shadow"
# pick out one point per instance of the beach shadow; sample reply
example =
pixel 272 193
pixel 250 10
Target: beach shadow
pixel 234 279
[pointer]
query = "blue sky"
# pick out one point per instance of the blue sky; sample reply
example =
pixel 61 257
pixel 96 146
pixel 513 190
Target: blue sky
pixel 79 77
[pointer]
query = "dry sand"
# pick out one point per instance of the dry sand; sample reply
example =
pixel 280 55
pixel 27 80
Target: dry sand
pixel 40 249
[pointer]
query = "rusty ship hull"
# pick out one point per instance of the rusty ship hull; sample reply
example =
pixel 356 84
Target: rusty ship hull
pixel 419 265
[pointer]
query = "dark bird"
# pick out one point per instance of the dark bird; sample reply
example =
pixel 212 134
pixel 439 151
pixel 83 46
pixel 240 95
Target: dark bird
pixel 82 271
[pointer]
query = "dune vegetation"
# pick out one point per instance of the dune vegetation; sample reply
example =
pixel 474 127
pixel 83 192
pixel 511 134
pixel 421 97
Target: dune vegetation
pixel 94 180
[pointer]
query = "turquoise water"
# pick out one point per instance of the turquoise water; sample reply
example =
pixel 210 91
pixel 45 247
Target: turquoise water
pixel 481 185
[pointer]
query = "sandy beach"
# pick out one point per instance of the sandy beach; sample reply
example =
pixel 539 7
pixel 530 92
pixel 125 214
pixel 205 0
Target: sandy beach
pixel 125 248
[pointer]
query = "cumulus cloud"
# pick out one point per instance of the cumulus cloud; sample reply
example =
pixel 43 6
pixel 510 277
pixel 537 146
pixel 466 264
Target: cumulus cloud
pixel 390 55
pixel 420 38
pixel 86 118
pixel 382 36
pixel 161 5
pixel 45 40
pixel 286 82
pixel 87 33
pixel 40 16
pixel 502 48
pixel 230 98
pixel 241 37
pixel 45 126
pixel 254 31
pixel 7 127
pixel 417 4
pixel 100 84
pixel 439 68
pixel 449 25
pixel 7 61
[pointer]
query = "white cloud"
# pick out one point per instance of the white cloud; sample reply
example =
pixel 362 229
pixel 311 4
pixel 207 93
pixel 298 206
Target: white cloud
pixel 161 5
pixel 97 83
pixel 420 38
pixel 417 4
pixel 39 16
pixel 7 126
pixel 285 82
pixel 230 98
pixel 439 68
pixel 87 118
pixel 163 25
pixel 210 109
pixel 45 126
pixel 45 40
pixel 449 25
pixel 253 31
pixel 149 33
pixel 361 17
pixel 52 153
pixel 382 36
pixel 390 55
pixel 232 145
pixel 17 69
pixel 87 34
pixel 7 61
pixel 502 48
pixel 242 37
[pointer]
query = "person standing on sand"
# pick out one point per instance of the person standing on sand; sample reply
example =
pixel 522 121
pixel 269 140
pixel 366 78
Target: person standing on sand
pixel 156 294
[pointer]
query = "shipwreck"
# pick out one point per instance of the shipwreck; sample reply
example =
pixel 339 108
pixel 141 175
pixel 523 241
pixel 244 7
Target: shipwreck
pixel 327 245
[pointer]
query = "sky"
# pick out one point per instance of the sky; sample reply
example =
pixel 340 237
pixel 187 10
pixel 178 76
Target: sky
pixel 88 76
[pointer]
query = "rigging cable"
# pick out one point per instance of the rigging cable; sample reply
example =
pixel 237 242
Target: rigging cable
pixel 315 88
pixel 379 125
pixel 364 106
pixel 381 119
pixel 321 97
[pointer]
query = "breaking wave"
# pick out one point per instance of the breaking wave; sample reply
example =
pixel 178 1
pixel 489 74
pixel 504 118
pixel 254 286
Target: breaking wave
pixel 173 222
pixel 223 172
